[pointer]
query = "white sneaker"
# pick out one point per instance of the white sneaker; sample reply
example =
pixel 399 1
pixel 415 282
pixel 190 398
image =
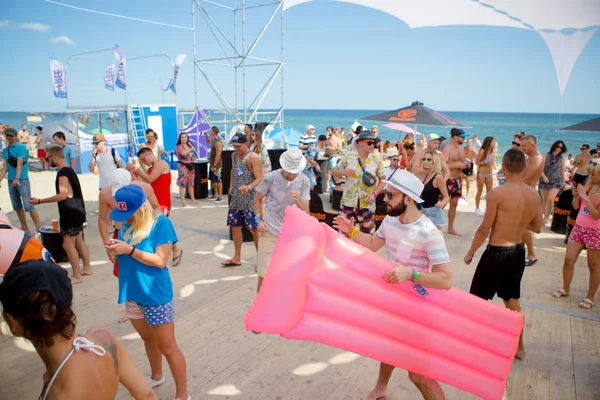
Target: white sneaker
pixel 188 398
pixel 479 212
pixel 154 383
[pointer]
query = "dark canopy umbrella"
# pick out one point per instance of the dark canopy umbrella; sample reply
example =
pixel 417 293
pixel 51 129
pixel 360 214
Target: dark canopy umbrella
pixel 416 114
pixel 592 125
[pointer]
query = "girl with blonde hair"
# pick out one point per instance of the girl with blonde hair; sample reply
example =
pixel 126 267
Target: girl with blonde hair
pixel 142 250
pixel 435 193
pixel 259 148
pixel 585 234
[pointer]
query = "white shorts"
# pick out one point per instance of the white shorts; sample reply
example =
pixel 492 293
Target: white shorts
pixel 266 245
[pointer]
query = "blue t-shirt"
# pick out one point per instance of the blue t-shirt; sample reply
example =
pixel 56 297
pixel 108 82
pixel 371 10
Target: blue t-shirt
pixel 69 152
pixel 17 150
pixel 142 283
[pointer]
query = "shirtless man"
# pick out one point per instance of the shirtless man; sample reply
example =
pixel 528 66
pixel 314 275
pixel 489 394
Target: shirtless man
pixel 501 266
pixel 455 157
pixel 581 165
pixel 531 175
pixel 433 144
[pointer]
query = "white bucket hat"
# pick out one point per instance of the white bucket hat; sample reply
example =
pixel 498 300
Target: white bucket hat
pixel 408 184
pixel 292 161
pixel 119 178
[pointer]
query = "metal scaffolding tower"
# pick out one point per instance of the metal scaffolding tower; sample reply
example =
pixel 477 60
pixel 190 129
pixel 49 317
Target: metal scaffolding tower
pixel 235 53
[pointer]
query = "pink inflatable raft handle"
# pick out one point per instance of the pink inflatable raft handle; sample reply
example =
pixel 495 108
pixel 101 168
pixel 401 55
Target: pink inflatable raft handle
pixel 320 286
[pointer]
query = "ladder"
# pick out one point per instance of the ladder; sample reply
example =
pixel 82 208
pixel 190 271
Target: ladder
pixel 138 128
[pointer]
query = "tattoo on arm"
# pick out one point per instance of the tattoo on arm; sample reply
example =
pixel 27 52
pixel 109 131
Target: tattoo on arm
pixel 104 339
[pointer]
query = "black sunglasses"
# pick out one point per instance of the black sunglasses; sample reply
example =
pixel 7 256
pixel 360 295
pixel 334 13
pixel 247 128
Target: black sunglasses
pixel 395 159
pixel 370 143
pixel 426 159
pixel 516 144
pixel 594 163
pixel 583 148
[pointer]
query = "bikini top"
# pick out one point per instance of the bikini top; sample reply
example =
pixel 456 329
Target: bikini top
pixel 80 343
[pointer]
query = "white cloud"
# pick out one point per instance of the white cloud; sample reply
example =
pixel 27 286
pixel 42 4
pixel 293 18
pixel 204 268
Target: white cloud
pixel 62 40
pixel 4 24
pixel 35 26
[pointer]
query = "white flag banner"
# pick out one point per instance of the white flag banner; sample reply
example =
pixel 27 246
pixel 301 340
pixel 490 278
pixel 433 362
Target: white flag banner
pixel 109 78
pixel 121 69
pixel 176 65
pixel 59 78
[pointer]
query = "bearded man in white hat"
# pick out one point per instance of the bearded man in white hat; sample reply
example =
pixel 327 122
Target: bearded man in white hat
pixel 281 188
pixel 417 249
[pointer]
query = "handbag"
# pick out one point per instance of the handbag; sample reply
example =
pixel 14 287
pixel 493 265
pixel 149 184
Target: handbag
pixel 189 166
pixel 367 178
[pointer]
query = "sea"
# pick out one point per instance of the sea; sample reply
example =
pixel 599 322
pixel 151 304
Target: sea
pixel 501 126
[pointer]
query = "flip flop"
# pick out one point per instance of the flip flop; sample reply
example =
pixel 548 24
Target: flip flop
pixel 529 262
pixel 230 263
pixel 560 293
pixel 177 260
pixel 586 304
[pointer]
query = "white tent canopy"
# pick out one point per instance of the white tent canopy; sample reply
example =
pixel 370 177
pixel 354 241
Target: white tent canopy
pixel 549 17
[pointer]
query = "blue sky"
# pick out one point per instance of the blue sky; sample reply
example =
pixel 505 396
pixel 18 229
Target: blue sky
pixel 337 56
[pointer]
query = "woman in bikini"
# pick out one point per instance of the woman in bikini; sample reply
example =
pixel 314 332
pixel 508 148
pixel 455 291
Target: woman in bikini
pixel 435 192
pixel 485 164
pixel 553 177
pixel 36 299
pixel 145 242
pixel 471 155
pixel 186 155
pixel 585 234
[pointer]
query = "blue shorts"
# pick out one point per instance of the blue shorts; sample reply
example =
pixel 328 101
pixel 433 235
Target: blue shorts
pixel 20 195
pixel 237 217
pixel 435 214
pixel 154 315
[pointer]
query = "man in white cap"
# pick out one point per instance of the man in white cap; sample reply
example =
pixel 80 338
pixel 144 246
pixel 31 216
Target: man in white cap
pixel 308 139
pixel 280 188
pixel 433 144
pixel 418 250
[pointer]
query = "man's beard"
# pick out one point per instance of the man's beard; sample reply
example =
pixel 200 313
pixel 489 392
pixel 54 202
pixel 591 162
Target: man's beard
pixel 397 210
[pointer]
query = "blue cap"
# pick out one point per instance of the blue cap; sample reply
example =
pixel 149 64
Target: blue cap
pixel 129 199
pixel 459 132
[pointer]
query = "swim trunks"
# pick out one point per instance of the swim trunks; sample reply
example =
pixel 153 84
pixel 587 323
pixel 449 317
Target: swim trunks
pixel 500 270
pixel 454 188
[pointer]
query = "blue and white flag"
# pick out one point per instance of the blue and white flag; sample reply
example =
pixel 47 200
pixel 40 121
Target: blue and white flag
pixel 176 65
pixel 109 78
pixel 121 69
pixel 59 79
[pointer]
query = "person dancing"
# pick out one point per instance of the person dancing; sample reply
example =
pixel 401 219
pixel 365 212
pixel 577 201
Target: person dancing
pixel 145 242
pixel 585 234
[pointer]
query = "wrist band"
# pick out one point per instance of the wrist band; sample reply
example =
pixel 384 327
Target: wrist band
pixel 132 250
pixel 39 201
pixel 415 275
pixel 353 233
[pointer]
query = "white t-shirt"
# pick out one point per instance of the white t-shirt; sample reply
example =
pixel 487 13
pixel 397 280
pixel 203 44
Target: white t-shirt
pixel 106 165
pixel 277 191
pixel 418 245
pixel 389 171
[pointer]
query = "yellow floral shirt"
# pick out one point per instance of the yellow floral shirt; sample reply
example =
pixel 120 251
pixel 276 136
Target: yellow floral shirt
pixel 354 189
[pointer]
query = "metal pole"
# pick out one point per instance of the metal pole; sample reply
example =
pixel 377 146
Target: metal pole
pixel 78 144
pixel 235 71
pixel 282 125
pixel 244 59
pixel 77 55
pixel 195 60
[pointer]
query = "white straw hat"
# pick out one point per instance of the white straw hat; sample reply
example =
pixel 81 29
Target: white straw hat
pixel 292 161
pixel 408 184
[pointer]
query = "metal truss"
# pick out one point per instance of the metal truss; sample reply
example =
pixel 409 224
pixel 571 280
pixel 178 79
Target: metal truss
pixel 237 55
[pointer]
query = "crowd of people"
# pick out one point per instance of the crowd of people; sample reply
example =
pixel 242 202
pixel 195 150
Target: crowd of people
pixel 422 178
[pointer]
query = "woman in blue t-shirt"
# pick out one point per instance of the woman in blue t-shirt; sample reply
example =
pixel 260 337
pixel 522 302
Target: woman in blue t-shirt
pixel 145 242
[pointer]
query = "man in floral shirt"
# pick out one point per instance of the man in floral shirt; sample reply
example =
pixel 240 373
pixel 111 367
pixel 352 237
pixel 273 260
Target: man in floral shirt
pixel 364 174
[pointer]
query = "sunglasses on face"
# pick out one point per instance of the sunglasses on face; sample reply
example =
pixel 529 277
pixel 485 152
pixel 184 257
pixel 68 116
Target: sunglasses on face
pixel 559 147
pixel 426 159
pixel 516 144
pixel 594 163
pixel 583 148
pixel 395 159
pixel 370 143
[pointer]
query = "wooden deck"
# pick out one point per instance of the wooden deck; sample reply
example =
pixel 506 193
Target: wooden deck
pixel 224 361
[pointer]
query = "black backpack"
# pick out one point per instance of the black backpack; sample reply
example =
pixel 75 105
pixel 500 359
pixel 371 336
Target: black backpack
pixel 112 151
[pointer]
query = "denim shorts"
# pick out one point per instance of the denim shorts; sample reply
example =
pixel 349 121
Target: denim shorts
pixel 436 215
pixel 20 195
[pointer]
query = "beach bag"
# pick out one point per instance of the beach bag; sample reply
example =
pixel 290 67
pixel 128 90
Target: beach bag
pixel 367 178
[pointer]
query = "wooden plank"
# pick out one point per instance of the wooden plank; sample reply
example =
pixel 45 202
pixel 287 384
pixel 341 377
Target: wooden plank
pixel 586 357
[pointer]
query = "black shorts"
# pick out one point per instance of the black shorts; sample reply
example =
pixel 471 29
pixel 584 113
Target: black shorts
pixel 500 270
pixel 215 177
pixel 579 178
